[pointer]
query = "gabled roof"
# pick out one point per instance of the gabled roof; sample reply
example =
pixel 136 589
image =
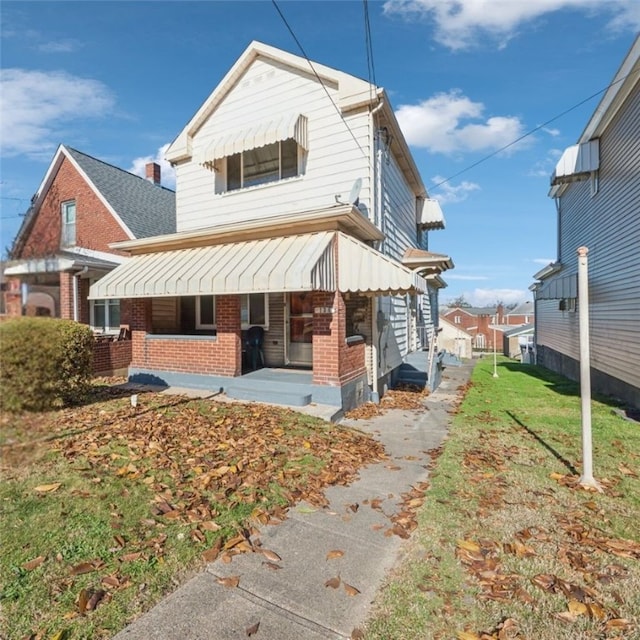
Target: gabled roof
pixel 353 93
pixel 141 208
pixel 147 209
pixel 523 309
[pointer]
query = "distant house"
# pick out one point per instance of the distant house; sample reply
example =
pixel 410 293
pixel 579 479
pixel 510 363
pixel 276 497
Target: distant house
pixel 454 339
pixel 520 314
pixel 63 246
pixel 302 216
pixel 518 342
pixel 596 188
pixel 478 322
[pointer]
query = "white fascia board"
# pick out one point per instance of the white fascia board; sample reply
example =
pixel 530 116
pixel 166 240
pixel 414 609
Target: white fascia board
pixel 350 89
pixel 549 270
pixel 99 255
pixel 626 78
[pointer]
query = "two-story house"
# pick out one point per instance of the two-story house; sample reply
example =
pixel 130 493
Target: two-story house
pixel 479 322
pixel 300 211
pixel 63 245
pixel 596 188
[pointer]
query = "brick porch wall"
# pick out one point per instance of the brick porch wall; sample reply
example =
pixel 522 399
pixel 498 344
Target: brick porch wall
pixel 111 355
pixel 220 355
pixel 334 361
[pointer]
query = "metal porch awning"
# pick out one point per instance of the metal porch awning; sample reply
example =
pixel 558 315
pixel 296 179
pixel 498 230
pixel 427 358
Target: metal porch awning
pixel 293 263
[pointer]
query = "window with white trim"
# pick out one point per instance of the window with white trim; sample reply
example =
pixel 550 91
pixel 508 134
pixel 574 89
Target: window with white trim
pixel 105 315
pixel 254 310
pixel 261 165
pixel 68 231
pixel 205 312
pixel 457 320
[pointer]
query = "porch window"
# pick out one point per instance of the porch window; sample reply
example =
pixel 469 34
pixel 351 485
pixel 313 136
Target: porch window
pixel 205 312
pixel 105 315
pixel 68 235
pixel 254 310
pixel 269 163
pixel 200 312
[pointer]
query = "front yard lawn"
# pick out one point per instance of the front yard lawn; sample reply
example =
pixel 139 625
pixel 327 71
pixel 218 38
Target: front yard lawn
pixel 107 507
pixel 507 546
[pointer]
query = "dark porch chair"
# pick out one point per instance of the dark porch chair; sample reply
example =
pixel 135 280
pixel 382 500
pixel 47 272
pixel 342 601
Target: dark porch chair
pixel 254 341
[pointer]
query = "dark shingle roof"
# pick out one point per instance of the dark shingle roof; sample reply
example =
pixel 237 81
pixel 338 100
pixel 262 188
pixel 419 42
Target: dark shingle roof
pixel 147 209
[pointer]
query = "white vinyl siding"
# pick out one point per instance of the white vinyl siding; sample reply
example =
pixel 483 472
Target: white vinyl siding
pixel 333 161
pixel 608 223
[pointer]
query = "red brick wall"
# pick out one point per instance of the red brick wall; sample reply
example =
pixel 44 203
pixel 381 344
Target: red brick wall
pixel 334 362
pixel 95 226
pixel 221 355
pixel 110 356
pixel 66 295
pixel 13 297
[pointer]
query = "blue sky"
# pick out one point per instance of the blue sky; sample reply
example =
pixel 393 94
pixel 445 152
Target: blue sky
pixel 119 80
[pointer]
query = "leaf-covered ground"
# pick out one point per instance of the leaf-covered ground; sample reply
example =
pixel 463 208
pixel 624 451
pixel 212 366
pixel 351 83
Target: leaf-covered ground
pixel 508 546
pixel 107 507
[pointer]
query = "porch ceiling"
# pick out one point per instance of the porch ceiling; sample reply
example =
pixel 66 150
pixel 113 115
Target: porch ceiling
pixel 294 263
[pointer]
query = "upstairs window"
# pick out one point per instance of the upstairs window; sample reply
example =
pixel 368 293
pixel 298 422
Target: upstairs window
pixel 269 163
pixel 68 235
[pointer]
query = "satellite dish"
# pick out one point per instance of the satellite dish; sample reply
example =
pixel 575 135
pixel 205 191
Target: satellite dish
pixel 354 194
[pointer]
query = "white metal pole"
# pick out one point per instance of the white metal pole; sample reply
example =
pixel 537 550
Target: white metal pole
pixel 587 479
pixel 495 356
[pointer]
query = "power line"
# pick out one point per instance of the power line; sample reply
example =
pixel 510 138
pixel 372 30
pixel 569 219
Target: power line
pixel 371 70
pixel 531 132
pixel 293 35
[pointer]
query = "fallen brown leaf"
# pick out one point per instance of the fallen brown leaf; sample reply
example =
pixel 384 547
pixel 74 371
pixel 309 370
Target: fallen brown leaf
pixel 253 629
pixel 230 581
pixel 352 591
pixel 335 553
pixel 334 583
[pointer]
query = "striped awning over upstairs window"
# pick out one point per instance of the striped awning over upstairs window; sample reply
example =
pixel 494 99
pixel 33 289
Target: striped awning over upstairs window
pixel 275 129
pixel 306 262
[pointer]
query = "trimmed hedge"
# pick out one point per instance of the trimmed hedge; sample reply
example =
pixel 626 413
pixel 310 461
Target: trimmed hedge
pixel 45 363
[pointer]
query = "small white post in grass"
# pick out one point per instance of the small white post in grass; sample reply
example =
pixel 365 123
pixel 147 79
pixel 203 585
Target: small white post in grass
pixel 586 479
pixel 495 355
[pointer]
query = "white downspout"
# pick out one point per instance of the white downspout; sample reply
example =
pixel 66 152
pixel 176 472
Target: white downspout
pixel 76 278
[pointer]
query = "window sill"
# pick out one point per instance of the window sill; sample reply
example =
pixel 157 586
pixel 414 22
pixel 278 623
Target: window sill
pixel 259 187
pixel 180 336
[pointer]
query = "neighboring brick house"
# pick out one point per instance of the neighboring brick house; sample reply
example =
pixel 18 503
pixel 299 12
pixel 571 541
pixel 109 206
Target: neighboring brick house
pixel 524 313
pixel 479 323
pixel 81 207
pixel 300 210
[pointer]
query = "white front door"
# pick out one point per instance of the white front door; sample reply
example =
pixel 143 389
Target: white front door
pixel 300 329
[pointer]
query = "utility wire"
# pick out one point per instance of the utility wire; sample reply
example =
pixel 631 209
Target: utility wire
pixel 293 35
pixel 371 70
pixel 531 132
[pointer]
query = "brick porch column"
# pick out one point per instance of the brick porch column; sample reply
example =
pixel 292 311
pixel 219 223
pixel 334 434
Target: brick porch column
pixel 66 295
pixel 229 335
pixel 329 335
pixel 140 325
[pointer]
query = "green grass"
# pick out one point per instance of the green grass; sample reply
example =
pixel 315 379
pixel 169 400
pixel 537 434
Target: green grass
pixel 506 476
pixel 85 494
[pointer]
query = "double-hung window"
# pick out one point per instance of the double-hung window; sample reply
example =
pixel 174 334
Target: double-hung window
pixel 269 163
pixel 105 315
pixel 205 312
pixel 68 234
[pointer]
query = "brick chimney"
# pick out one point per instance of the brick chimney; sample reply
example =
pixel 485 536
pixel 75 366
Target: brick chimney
pixel 152 172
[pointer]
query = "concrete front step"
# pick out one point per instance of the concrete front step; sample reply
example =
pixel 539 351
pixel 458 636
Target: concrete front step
pixel 291 398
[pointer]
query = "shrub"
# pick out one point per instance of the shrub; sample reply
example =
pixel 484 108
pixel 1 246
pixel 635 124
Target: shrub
pixel 44 363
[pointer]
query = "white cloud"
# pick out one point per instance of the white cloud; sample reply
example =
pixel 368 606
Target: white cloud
pixel 461 24
pixel 60 46
pixel 454 276
pixel 446 193
pixel 35 105
pixel 167 172
pixel 451 122
pixel 482 297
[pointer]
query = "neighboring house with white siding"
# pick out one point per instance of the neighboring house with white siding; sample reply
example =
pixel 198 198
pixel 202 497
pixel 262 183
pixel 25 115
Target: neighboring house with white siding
pixel 596 187
pixel 299 209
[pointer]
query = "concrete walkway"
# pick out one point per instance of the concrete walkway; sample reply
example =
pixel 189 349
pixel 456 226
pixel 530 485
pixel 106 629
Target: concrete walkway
pixel 293 602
